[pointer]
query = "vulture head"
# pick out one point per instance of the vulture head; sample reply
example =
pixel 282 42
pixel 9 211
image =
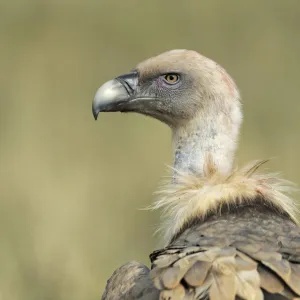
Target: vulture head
pixel 190 93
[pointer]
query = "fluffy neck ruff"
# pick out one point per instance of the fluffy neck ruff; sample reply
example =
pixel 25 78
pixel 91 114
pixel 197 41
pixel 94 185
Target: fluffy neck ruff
pixel 193 196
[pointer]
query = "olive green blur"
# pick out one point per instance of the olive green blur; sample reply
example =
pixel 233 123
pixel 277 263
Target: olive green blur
pixel 72 189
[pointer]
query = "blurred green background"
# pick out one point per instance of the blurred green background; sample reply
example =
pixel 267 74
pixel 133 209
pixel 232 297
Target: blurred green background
pixel 71 188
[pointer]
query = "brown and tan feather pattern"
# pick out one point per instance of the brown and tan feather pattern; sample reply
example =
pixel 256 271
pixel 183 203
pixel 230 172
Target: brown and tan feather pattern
pixel 243 244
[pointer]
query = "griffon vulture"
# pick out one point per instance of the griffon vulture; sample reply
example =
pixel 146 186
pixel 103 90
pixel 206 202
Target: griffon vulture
pixel 230 233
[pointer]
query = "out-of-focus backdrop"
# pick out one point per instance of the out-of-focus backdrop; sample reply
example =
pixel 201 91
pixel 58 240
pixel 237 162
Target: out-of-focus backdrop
pixel 71 188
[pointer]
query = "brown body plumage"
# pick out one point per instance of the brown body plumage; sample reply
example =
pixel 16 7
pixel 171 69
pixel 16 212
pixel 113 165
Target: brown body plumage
pixel 229 233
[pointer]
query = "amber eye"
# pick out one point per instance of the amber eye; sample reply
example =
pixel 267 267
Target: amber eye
pixel 171 78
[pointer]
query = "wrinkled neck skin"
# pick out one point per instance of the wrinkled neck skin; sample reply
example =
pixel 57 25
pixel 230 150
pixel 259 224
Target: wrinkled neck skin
pixel 207 134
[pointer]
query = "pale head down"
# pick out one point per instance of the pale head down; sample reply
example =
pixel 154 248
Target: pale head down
pixel 189 92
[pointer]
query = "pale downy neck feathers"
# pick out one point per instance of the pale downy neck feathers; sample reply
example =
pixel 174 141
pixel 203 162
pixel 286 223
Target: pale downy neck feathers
pixel 194 196
pixel 207 133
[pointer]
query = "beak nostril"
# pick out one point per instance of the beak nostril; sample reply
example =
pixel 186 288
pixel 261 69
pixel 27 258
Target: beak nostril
pixel 129 81
pixel 128 88
pixel 113 93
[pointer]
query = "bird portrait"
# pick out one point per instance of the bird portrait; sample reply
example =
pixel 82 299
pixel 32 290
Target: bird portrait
pixel 186 186
pixel 228 231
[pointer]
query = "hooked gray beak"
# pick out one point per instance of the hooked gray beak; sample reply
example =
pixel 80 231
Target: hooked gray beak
pixel 112 95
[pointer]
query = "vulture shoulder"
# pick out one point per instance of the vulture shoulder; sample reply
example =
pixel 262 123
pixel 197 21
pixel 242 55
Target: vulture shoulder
pixel 130 281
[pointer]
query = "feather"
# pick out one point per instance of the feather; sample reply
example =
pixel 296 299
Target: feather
pixel 196 275
pixel 197 196
pixel 269 281
pixel 177 293
pixel 224 273
pixel 130 281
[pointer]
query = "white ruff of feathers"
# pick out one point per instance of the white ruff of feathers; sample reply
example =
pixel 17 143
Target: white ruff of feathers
pixel 191 196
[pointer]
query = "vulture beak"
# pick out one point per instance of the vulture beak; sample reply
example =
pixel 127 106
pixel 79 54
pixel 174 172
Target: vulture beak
pixel 112 95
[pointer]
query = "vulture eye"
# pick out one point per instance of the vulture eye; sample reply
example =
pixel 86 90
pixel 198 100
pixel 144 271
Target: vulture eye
pixel 171 78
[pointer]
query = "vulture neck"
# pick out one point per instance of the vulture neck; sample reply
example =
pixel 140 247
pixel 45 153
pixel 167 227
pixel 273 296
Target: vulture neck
pixel 207 136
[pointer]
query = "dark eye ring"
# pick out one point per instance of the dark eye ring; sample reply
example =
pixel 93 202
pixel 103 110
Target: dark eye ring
pixel 171 78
